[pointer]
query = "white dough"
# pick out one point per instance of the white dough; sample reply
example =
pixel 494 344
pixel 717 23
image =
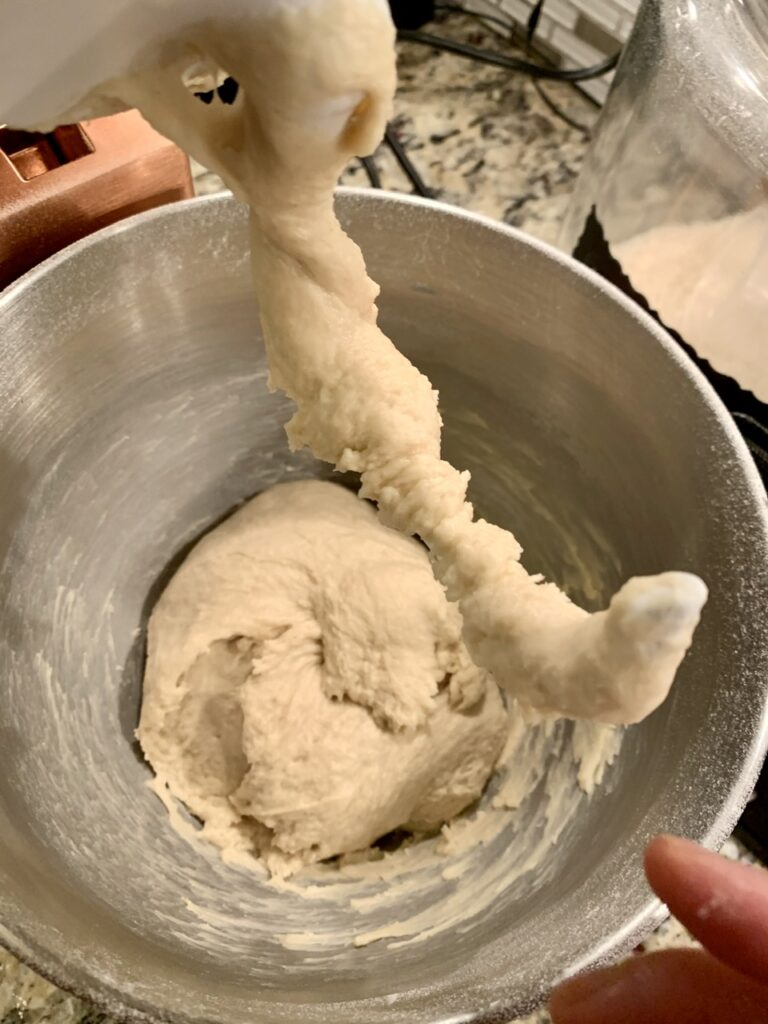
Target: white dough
pixel 239 718
pixel 316 81
pixel 307 689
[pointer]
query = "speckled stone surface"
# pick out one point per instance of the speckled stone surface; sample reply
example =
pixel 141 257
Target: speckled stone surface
pixel 481 138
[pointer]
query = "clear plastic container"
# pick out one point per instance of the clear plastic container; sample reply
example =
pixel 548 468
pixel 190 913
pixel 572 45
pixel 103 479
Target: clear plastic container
pixel 675 186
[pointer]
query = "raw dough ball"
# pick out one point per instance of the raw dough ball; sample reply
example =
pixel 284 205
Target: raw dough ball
pixel 307 689
pixel 315 91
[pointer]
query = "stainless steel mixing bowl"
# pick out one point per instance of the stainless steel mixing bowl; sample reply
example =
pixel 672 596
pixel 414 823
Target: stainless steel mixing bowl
pixel 134 413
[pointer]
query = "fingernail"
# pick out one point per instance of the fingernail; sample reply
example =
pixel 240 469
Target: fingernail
pixel 589 998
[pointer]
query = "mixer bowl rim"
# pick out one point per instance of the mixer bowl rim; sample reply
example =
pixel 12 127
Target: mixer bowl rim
pixel 623 939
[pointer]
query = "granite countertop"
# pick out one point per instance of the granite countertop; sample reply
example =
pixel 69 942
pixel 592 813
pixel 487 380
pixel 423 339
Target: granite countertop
pixel 486 140
pixel 481 137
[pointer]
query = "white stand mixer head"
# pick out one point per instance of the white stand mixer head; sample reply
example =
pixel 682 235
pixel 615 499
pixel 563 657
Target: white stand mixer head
pixel 54 54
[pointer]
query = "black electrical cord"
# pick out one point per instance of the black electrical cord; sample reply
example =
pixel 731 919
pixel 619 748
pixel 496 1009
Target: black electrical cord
pixel 510 63
pixel 526 41
pixel 533 21
pixel 370 168
pixel 530 32
pixel 558 111
pixel 536 71
pixel 419 185
pixel 495 19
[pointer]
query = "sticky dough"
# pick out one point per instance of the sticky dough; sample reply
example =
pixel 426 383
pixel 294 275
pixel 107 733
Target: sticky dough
pixel 307 689
pixel 316 87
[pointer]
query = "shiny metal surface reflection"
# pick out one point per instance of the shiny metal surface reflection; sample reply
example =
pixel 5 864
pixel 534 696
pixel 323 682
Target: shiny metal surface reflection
pixel 134 413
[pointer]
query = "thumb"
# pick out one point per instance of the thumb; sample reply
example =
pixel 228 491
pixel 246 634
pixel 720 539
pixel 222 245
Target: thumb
pixel 722 903
pixel 676 986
